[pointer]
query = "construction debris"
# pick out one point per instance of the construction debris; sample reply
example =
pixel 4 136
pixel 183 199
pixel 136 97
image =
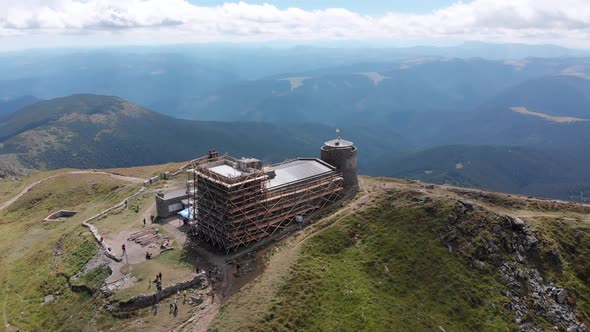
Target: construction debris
pixel 150 237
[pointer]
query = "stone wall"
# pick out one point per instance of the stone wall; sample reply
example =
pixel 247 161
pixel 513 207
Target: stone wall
pixel 94 230
pixel 147 300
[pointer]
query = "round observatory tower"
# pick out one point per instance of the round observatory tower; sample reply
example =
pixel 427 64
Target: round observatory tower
pixel 341 154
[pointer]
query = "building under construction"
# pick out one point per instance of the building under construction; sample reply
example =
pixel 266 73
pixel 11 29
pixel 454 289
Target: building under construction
pixel 239 201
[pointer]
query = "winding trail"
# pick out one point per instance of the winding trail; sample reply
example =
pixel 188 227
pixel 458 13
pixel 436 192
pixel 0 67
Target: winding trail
pixel 32 185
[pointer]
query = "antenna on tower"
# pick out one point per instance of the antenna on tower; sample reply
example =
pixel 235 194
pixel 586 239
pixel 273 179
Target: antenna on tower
pixel 338 133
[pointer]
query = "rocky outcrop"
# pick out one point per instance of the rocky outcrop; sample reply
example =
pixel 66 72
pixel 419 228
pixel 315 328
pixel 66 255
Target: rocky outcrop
pixel 541 299
pixel 488 239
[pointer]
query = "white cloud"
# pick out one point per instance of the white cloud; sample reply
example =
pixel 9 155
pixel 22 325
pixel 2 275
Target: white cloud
pixel 535 21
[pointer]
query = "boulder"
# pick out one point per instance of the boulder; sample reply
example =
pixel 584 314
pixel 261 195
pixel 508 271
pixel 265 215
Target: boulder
pixel 517 223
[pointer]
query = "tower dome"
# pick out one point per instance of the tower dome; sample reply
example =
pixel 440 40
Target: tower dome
pixel 342 154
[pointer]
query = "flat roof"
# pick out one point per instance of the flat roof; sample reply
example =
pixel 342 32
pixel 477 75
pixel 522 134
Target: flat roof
pixel 298 170
pixel 227 171
pixel 174 194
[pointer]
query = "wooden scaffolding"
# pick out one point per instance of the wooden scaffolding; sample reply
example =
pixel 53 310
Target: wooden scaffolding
pixel 232 211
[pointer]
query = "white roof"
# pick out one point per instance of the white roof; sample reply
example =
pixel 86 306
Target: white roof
pixel 338 143
pixel 227 171
pixel 297 170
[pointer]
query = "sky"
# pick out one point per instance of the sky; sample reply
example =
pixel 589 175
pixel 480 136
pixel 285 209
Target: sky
pixel 359 6
pixel 81 23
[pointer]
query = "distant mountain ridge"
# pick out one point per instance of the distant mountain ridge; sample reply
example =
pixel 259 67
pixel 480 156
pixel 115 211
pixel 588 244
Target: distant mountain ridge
pixel 533 171
pixel 10 105
pixel 92 131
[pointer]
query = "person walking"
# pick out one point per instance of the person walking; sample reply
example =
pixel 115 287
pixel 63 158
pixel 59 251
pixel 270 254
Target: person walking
pixel 155 304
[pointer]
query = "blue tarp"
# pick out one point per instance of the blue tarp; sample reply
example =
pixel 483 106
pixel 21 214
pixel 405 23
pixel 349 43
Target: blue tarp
pixel 187 213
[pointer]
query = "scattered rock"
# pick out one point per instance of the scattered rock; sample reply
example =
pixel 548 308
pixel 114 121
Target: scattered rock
pixel 531 240
pixel 442 329
pixel 48 299
pixel 497 229
pixel 479 264
pixel 561 295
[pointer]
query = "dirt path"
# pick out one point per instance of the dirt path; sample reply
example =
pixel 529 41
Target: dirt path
pixel 32 185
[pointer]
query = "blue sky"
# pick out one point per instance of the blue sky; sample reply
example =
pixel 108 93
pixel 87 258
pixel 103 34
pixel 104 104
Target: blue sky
pixel 373 7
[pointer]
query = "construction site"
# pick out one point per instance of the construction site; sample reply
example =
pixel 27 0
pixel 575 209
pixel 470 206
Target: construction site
pixel 233 202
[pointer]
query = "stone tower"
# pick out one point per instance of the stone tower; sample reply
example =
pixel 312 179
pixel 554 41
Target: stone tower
pixel 341 154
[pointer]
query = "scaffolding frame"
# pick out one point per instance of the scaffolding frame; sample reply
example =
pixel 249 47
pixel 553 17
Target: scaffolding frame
pixel 235 211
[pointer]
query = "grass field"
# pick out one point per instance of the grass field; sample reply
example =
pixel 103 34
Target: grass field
pixel 146 171
pixel 10 187
pixel 129 218
pixel 37 258
pixel 384 269
pixel 168 263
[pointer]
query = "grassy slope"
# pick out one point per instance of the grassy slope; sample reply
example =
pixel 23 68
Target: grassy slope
pixel 146 171
pixel 10 187
pixel 31 271
pixel 384 269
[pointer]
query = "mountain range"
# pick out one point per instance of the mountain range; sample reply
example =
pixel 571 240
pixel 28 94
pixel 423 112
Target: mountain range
pixel 92 131
pixel 513 124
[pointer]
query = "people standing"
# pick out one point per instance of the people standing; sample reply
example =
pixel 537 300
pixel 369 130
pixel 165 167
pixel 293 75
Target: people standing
pixel 143 222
